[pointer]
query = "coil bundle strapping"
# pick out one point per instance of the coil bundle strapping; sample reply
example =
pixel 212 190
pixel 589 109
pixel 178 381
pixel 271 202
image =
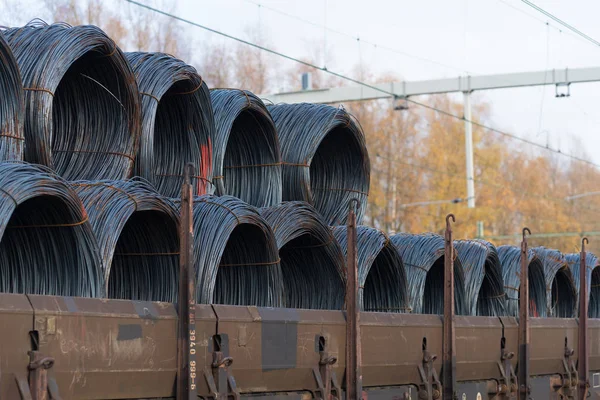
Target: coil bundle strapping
pixel 593 280
pixel 46 241
pixel 246 157
pixel 423 258
pixel 137 233
pixel 82 107
pixel 561 294
pixel 12 106
pixel 381 276
pixel 177 123
pixel 312 262
pixel 484 284
pixel 325 159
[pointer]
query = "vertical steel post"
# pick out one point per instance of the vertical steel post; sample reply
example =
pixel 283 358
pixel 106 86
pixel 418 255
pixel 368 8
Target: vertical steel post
pixel 584 378
pixel 469 150
pixel 186 340
pixel 524 386
pixel 353 348
pixel 449 350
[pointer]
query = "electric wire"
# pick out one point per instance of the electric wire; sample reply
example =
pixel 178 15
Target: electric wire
pixel 312 263
pixel 47 245
pixel 382 283
pixel 177 123
pixel 561 293
pixel 12 106
pixel 137 233
pixel 592 277
pixel 423 257
pixel 325 158
pixel 246 155
pixel 82 106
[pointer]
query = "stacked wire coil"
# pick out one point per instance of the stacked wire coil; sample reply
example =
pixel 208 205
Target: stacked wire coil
pixel 592 278
pixel 12 106
pixel 82 107
pixel 137 232
pixel 325 158
pixel 381 278
pixel 561 293
pixel 312 262
pixel 246 156
pixel 423 258
pixel 47 245
pixel 177 123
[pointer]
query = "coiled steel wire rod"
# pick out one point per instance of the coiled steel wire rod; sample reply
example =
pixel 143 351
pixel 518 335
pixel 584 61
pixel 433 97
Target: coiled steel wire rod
pixel 46 241
pixel 593 279
pixel 12 106
pixel 325 159
pixel 312 262
pixel 510 260
pixel 246 156
pixel 423 259
pixel 177 123
pixel 235 254
pixel 484 284
pixel 82 106
pixel 561 293
pixel 381 276
pixel 136 230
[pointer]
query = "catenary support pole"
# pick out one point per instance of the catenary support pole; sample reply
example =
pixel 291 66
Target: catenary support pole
pixel 469 150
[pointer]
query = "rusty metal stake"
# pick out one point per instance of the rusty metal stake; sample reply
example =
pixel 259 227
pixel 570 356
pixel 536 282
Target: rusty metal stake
pixel 186 341
pixel 38 375
pixel 584 374
pixel 524 386
pixel 353 348
pixel 449 351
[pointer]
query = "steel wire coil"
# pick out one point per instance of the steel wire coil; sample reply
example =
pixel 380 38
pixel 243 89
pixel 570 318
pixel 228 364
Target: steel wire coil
pixel 246 156
pixel 137 233
pixel 235 254
pixel 325 158
pixel 82 106
pixel 484 285
pixel 561 293
pixel 423 258
pixel 593 280
pixel 177 123
pixel 12 106
pixel 381 276
pixel 47 245
pixel 312 262
pixel 510 260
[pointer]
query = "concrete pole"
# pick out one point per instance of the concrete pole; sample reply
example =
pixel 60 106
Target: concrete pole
pixel 469 150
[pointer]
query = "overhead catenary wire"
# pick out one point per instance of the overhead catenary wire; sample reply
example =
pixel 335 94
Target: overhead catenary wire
pixel 382 284
pixel 246 155
pixel 47 245
pixel 177 123
pixel 423 259
pixel 325 158
pixel 235 254
pixel 339 75
pixel 484 284
pixel 593 280
pixel 561 293
pixel 137 233
pixel 82 108
pixel 312 262
pixel 510 259
pixel 12 106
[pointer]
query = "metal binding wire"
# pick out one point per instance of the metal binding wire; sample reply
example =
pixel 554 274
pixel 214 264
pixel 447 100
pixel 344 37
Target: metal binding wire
pixel 47 245
pixel 484 284
pixel 325 159
pixel 312 262
pixel 12 106
pixel 136 230
pixel 381 277
pixel 510 260
pixel 177 123
pixel 82 107
pixel 423 258
pixel 593 280
pixel 246 159
pixel 561 293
